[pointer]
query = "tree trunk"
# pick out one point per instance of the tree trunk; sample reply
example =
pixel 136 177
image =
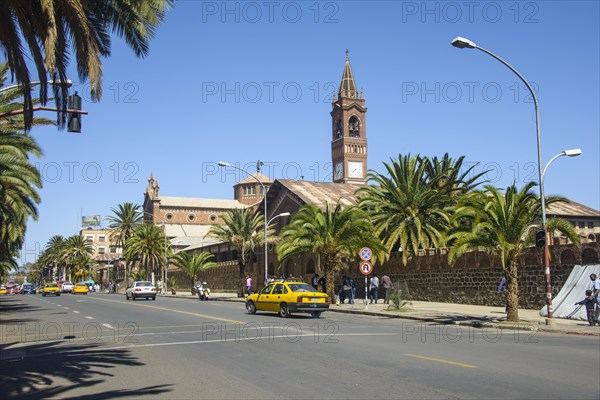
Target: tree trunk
pixel 512 292
pixel 241 283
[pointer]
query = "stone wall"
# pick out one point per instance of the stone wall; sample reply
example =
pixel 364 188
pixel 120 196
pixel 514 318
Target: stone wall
pixel 473 279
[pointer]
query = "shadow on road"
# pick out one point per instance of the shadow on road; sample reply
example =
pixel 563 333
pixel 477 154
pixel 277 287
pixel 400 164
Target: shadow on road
pixel 47 370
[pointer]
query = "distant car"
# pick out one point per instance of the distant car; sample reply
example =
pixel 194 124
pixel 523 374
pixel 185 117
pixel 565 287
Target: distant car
pixel 28 288
pixel 79 288
pixel 18 289
pixel 141 289
pixel 288 297
pixel 51 288
pixel 3 290
pixel 66 287
pixel 10 288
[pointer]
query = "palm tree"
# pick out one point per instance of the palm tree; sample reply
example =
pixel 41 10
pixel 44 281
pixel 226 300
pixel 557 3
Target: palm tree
pixel 124 222
pixel 334 235
pixel 503 225
pixel 193 264
pixel 409 209
pixel 76 253
pixel 55 30
pixel 146 246
pixel 54 254
pixel 19 179
pixel 244 230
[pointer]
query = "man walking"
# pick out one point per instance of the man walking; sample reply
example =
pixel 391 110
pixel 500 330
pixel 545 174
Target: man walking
pixel 248 284
pixel 595 295
pixel 373 288
pixel 387 286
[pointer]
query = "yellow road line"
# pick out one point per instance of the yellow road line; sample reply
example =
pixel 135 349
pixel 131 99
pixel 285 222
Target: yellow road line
pixel 441 360
pixel 172 310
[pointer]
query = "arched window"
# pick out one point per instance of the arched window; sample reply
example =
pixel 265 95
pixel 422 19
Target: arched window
pixel 589 256
pixel 353 126
pixel 567 257
pixel 310 267
pixel 339 130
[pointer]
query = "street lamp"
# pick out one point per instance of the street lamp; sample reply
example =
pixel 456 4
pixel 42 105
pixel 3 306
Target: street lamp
pixel 166 266
pixel 284 214
pixel 568 153
pixel 463 43
pixel 225 164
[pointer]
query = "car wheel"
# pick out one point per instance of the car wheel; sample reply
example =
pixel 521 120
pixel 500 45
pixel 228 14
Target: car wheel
pixel 126 296
pixel 283 310
pixel 43 294
pixel 153 298
pixel 132 297
pixel 57 294
pixel 251 307
pixel 316 314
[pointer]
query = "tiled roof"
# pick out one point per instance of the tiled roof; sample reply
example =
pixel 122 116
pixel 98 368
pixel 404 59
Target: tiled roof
pixel 254 177
pixel 320 193
pixel 572 209
pixel 167 201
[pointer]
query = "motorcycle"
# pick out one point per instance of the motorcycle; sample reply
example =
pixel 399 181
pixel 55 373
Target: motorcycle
pixel 203 291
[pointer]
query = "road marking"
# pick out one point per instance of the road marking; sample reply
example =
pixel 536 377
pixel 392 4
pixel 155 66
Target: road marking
pixel 76 312
pixel 89 317
pixel 440 360
pixel 66 308
pixel 175 311
pixel 109 326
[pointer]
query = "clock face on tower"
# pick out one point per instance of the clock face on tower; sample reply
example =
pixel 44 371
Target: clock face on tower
pixel 339 171
pixel 356 169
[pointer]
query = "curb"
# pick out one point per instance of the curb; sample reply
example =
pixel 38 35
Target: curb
pixel 530 327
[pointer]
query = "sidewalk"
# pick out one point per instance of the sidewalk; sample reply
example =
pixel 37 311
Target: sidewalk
pixel 447 313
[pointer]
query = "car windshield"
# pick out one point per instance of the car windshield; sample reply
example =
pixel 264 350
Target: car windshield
pixel 144 284
pixel 301 287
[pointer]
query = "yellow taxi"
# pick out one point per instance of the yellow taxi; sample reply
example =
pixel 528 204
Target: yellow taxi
pixel 80 288
pixel 287 297
pixel 51 288
pixel 3 290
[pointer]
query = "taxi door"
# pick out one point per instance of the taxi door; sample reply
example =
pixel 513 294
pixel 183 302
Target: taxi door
pixel 276 297
pixel 263 298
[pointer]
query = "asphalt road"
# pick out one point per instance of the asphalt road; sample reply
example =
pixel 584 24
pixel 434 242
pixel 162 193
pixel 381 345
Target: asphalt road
pixel 102 346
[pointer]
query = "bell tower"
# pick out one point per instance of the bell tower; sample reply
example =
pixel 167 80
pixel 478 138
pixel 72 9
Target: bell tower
pixel 349 131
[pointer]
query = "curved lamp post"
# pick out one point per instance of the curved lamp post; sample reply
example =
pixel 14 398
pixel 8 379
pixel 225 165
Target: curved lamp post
pixel 225 164
pixel 463 43
pixel 568 153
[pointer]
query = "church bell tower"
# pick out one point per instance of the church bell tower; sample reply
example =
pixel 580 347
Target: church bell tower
pixel 349 131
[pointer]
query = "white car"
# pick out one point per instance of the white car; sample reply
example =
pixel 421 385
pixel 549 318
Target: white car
pixel 141 289
pixel 66 287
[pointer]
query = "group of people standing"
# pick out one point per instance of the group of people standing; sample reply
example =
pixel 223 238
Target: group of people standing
pixel 347 288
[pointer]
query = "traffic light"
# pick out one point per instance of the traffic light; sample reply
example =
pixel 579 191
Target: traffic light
pixel 74 119
pixel 540 238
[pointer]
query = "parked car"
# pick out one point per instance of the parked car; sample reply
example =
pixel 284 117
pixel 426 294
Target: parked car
pixel 141 289
pixel 66 287
pixel 28 288
pixel 288 297
pixel 3 290
pixel 51 288
pixel 11 287
pixel 80 288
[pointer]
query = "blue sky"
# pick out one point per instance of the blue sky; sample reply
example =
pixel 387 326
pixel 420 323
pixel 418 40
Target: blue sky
pixel 243 81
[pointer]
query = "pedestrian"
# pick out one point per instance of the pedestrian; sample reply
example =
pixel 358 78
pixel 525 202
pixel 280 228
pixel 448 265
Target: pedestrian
pixel 386 282
pixel 373 288
pixel 595 296
pixel 322 283
pixel 502 289
pixel 248 284
pixel 342 289
pixel 352 284
pixel 160 288
pixel 589 307
pixel 314 281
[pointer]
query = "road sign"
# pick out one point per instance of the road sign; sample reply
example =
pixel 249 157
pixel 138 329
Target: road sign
pixel 366 268
pixel 365 254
